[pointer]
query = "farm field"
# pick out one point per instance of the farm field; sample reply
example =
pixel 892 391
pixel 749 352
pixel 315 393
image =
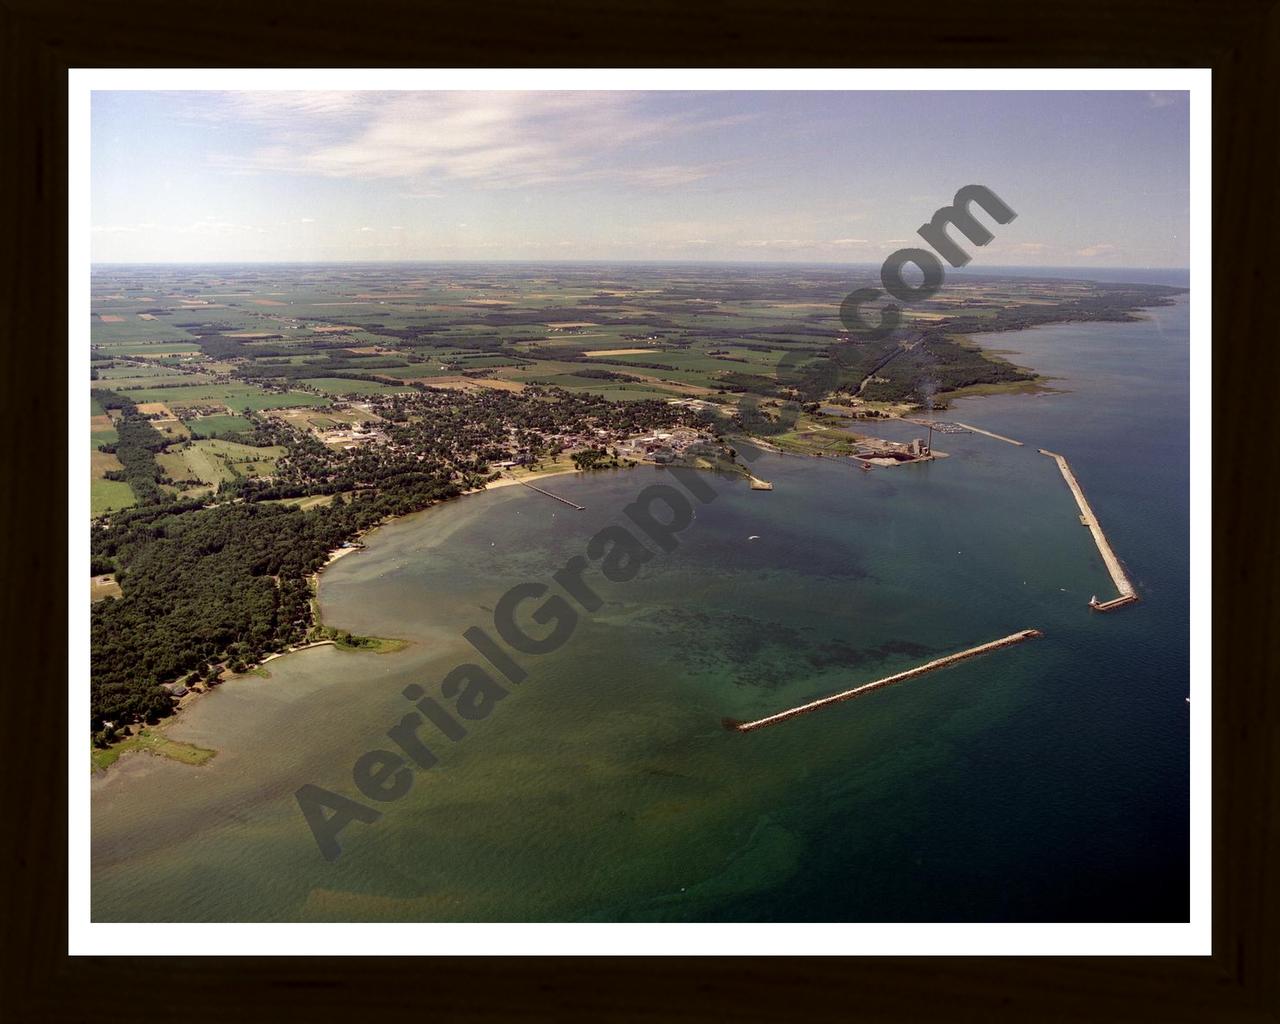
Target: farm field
pixel 237 397
pixel 109 496
pixel 339 386
pixel 101 463
pixel 206 352
pixel 209 426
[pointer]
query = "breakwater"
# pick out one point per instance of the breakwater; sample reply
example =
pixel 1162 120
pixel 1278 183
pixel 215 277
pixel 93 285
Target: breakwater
pixel 988 433
pixel 1128 594
pixel 899 677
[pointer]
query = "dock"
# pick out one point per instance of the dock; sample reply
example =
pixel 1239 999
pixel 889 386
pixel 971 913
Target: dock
pixel 580 508
pixel 1128 594
pixel 911 673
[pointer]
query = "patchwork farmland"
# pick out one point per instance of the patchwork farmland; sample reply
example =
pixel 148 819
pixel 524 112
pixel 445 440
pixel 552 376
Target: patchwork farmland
pixel 211 357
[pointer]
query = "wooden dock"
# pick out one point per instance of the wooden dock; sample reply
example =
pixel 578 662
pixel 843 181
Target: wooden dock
pixel 580 508
pixel 1128 595
pixel 911 673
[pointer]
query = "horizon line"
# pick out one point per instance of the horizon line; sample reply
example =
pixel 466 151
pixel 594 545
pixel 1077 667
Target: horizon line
pixel 606 260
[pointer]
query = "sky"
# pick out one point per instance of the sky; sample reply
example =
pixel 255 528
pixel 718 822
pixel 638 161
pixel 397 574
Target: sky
pixel 1097 179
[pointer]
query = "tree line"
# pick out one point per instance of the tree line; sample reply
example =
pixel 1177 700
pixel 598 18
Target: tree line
pixel 136 446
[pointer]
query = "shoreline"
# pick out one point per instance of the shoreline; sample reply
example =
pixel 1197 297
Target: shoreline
pixel 320 635
pixel 508 481
pixel 102 758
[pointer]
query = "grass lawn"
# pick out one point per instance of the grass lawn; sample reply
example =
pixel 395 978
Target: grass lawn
pixel 152 743
pixel 310 501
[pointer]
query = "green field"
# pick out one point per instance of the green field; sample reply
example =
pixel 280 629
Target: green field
pixel 132 370
pixel 145 349
pixel 108 496
pixel 214 461
pixel 175 465
pixel 311 501
pixel 343 386
pixel 207 426
pixel 416 370
pixel 132 329
pixel 164 379
pixel 234 396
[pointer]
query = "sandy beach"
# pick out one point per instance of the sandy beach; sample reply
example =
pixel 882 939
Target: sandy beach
pixel 507 481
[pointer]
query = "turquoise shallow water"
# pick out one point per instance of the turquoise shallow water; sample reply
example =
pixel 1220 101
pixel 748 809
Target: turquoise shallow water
pixel 1047 782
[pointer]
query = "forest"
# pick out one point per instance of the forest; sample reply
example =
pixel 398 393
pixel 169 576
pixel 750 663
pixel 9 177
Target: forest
pixel 205 586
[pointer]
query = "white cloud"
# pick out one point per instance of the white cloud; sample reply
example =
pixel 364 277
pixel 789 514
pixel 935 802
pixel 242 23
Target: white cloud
pixel 307 220
pixel 1100 249
pixel 208 226
pixel 496 139
pixel 779 243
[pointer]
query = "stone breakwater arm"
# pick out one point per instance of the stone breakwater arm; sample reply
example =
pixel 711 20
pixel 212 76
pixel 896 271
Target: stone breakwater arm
pixel 911 673
pixel 988 433
pixel 1127 592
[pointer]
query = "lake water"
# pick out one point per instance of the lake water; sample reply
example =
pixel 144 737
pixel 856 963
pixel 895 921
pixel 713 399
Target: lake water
pixel 1045 782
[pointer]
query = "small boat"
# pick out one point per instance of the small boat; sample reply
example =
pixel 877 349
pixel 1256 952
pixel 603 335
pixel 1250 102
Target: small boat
pixel 754 536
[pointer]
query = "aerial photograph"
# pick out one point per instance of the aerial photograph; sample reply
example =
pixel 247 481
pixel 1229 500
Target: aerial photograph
pixel 629 506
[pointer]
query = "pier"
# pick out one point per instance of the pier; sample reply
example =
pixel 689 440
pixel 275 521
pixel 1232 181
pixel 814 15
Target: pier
pixel 911 673
pixel 580 508
pixel 1128 595
pixel 988 433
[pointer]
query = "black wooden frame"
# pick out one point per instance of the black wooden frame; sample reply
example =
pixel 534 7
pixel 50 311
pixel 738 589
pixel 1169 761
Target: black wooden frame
pixel 41 39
